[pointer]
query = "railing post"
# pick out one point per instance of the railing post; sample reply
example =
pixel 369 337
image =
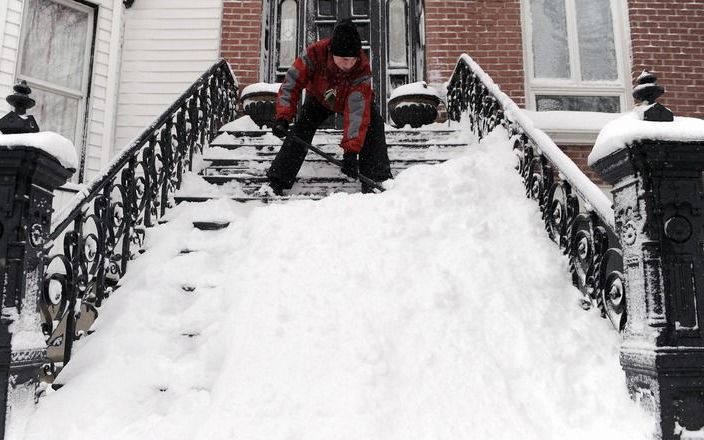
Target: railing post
pixel 659 213
pixel 28 178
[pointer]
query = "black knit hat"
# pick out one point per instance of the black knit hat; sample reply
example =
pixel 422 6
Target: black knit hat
pixel 345 39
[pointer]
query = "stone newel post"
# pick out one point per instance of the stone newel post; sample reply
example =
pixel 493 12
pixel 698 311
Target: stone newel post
pixel 28 177
pixel 659 209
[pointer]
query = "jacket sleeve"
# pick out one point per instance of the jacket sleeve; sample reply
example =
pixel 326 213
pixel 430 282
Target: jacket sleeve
pixel 357 114
pixel 295 81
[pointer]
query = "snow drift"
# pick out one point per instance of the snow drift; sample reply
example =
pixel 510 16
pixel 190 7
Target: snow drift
pixel 437 310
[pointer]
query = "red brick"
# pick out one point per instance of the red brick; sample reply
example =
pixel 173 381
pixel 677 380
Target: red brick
pixel 668 38
pixel 481 28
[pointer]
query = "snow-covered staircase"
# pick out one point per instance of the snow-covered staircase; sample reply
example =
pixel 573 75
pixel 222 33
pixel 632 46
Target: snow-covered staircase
pixel 431 311
pixel 237 160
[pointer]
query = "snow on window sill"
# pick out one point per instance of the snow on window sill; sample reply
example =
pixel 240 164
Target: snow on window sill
pixel 571 128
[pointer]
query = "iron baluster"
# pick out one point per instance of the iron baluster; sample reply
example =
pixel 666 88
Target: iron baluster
pixel 167 162
pixel 106 225
pixel 585 237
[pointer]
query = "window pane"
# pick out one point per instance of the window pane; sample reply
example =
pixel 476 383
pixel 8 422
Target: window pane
pixel 397 33
pixel 361 7
pixel 326 7
pixel 287 36
pixel 551 56
pixel 325 30
pixel 396 81
pixel 54 46
pixel 605 104
pixel 55 112
pixel 597 51
pixel 364 34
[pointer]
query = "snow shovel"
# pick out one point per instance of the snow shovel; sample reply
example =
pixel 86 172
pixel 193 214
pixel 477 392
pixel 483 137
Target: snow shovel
pixel 362 178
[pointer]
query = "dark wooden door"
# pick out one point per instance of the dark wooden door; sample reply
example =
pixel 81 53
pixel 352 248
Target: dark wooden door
pixel 391 32
pixel 320 21
pixel 323 14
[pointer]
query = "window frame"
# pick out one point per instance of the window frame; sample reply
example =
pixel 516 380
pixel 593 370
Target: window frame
pixel 574 86
pixel 82 94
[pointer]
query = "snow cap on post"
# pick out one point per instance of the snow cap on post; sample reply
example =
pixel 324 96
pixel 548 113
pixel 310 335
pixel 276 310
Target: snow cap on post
pixel 345 39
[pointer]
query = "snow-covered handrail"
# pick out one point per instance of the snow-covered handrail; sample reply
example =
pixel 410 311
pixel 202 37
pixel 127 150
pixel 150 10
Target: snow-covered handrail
pixel 103 226
pixel 569 171
pixel 578 216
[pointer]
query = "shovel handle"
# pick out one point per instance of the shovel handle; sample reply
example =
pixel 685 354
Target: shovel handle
pixel 330 158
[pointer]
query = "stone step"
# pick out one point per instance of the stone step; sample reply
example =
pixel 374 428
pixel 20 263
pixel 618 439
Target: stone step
pixel 332 146
pixel 232 139
pixel 252 188
pixel 221 171
pixel 213 225
pixel 252 198
pixel 391 133
pixel 237 163
pixel 268 152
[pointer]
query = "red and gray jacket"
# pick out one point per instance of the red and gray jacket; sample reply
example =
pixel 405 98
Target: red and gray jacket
pixel 349 93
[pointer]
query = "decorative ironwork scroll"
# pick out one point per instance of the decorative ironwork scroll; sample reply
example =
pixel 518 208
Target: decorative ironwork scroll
pixel 581 226
pixel 94 238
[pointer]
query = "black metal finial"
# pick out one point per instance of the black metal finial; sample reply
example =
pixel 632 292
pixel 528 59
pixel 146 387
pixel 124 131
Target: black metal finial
pixel 17 121
pixel 20 100
pixel 647 90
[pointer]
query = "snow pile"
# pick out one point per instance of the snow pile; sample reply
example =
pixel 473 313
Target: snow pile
pixel 584 186
pixel 244 123
pixel 436 310
pixel 631 128
pixel 51 143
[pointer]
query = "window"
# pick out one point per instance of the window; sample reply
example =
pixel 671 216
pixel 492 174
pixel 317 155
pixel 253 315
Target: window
pixel 397 44
pixel 287 30
pixel 54 59
pixel 575 55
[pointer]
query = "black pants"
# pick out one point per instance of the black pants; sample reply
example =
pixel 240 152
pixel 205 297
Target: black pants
pixel 373 159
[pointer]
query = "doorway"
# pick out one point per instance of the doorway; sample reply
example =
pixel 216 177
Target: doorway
pixel 391 31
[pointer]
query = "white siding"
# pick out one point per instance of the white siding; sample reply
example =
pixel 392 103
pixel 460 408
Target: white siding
pixel 167 45
pixel 103 97
pixel 10 19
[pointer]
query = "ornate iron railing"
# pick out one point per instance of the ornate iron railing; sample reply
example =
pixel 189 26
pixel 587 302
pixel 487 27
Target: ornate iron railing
pixel 104 226
pixel 578 216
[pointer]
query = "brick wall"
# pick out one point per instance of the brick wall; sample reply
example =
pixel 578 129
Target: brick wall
pixel 241 38
pixel 487 30
pixel 668 38
pixel 579 154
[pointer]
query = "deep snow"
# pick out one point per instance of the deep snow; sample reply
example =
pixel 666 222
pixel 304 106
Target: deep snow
pixel 436 310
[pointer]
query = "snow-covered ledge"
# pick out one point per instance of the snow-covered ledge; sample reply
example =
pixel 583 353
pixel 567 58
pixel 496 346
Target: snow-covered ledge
pixel 631 128
pixel 52 143
pixel 571 128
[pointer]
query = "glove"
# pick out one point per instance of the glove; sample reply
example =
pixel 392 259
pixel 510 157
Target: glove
pixel 350 166
pixel 280 128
